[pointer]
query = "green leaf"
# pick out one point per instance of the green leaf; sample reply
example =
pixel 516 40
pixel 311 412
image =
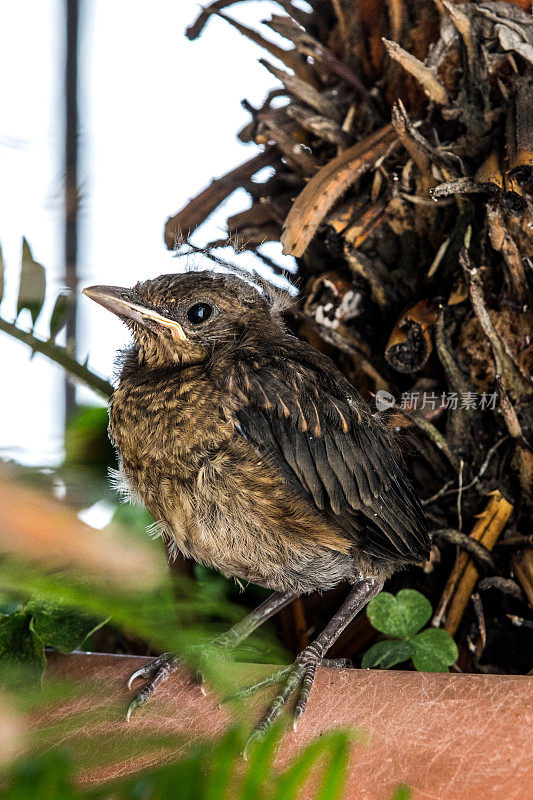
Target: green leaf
pixel 181 779
pixel 434 651
pixel 19 643
pixel 223 760
pixel 86 439
pixel 32 285
pixel 402 792
pixel 61 627
pixel 260 764
pixel 291 781
pixel 59 314
pixel 400 616
pixel 334 775
pixel 42 775
pixel 9 604
pixel 329 746
pixel 388 653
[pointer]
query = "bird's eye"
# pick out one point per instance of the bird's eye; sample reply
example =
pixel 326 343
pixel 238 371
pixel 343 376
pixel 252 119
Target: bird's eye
pixel 199 312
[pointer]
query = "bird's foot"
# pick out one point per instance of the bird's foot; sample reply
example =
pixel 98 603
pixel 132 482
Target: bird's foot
pixel 161 668
pixel 300 677
pixel 158 671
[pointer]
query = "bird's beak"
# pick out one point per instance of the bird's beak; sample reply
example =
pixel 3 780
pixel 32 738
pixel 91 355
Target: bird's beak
pixel 117 300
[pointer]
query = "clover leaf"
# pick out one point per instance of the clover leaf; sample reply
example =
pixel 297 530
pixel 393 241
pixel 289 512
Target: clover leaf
pixel 434 651
pixel 387 654
pixel 402 617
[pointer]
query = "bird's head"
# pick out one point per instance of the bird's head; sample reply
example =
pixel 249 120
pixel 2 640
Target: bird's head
pixel 183 318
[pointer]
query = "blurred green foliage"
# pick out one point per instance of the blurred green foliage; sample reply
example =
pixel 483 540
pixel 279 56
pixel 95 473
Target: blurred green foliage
pixel 156 615
pixel 209 772
pixel 86 439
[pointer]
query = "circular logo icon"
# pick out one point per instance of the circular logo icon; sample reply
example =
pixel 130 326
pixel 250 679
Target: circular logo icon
pixel 384 400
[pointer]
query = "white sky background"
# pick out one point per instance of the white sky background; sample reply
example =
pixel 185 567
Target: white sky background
pixel 158 118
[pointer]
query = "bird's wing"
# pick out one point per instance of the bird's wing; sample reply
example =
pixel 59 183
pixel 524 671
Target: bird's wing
pixel 324 442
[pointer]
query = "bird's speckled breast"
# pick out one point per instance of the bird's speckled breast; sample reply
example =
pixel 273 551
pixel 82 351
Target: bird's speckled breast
pixel 217 500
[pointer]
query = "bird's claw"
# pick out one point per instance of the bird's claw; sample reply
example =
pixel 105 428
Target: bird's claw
pixel 295 678
pixel 300 675
pixel 158 670
pixel 137 701
pixel 151 668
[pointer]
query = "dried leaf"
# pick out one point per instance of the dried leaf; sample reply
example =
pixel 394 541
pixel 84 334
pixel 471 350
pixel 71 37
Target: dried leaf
pixel 420 150
pixel 371 219
pixel 321 126
pixel 324 189
pixel 304 91
pixel 369 269
pixel 424 75
pixel 397 18
pixel 461 20
pixel 523 566
pixel 194 30
pixel 510 39
pixel 513 382
pixel 300 158
pixel 309 47
pixel 290 58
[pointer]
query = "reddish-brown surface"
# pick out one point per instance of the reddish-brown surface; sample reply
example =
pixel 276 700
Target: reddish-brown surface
pixel 459 737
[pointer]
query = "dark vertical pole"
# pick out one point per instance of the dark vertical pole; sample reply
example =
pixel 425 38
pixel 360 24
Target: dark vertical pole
pixel 71 179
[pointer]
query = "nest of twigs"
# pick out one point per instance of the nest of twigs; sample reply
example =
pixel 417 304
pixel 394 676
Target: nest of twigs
pixel 402 177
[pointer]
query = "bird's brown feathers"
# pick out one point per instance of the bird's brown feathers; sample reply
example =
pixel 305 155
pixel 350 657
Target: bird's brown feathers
pixel 322 438
pixel 251 449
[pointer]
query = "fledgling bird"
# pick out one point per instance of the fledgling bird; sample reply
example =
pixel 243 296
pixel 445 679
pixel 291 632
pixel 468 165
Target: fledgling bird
pixel 255 456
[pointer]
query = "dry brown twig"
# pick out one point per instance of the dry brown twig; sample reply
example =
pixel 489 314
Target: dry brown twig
pixel 502 242
pixel 464 575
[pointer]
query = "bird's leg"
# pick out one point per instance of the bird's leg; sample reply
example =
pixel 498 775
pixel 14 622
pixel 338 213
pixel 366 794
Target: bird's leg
pixel 160 668
pixel 302 674
pixel 242 629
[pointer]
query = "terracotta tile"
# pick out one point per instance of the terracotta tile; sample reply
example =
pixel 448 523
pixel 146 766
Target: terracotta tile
pixel 459 737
